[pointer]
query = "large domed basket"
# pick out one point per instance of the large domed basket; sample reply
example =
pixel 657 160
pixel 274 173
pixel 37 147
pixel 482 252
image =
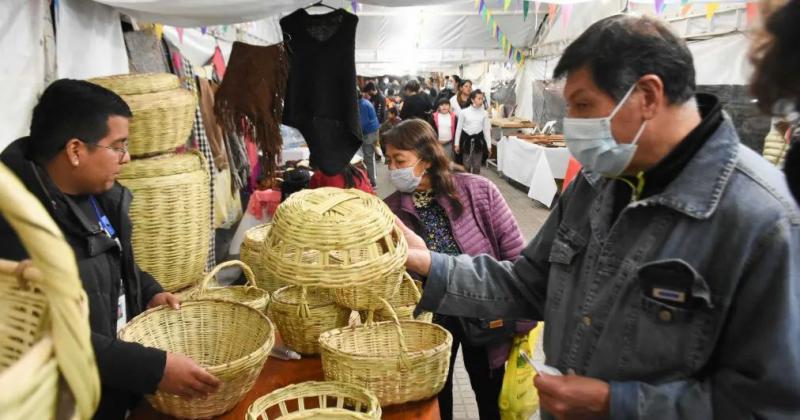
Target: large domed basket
pixel 230 340
pixel 44 318
pixel 317 400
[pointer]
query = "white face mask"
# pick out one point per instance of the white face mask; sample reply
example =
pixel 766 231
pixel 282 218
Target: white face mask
pixel 592 143
pixel 404 179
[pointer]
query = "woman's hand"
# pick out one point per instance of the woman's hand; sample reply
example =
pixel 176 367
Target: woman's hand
pixel 419 258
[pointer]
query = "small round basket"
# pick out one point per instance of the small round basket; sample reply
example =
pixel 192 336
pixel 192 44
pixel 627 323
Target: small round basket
pixel 301 324
pixel 137 84
pixel 400 361
pixel 230 340
pixel 403 303
pixel 249 295
pixel 316 400
pixel 369 296
pixel 162 121
pixel 44 318
pixel 170 214
pixel 250 254
pixel 334 238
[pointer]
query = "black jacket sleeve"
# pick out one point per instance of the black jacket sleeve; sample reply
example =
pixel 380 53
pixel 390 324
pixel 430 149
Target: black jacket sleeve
pixel 150 286
pixel 128 366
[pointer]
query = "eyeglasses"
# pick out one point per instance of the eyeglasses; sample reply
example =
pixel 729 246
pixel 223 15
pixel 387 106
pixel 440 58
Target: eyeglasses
pixel 122 151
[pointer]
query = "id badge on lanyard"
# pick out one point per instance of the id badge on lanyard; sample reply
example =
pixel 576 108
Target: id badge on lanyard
pixel 105 225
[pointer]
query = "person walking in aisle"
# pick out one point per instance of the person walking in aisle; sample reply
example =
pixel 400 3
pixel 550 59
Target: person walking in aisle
pixel 377 99
pixel 461 100
pixel 455 213
pixel 473 134
pixel 415 104
pixel 369 129
pixel 445 123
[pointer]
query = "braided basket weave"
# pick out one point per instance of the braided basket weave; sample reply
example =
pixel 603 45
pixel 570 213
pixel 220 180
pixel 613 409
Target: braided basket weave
pixel 137 84
pixel 230 340
pixel 334 238
pixel 303 314
pixel 327 400
pixel 399 361
pixel 170 213
pixel 44 318
pixel 403 302
pixel 250 254
pixel 249 295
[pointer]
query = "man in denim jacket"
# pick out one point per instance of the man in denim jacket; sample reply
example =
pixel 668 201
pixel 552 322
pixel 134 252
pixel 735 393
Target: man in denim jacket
pixel 667 274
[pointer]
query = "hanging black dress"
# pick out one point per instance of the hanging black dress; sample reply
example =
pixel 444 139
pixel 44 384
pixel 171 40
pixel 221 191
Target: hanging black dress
pixel 321 99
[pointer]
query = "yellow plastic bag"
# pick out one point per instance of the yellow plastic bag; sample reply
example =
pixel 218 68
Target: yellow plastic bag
pixel 518 397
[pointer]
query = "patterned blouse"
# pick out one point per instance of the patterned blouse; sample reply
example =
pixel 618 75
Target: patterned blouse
pixel 436 230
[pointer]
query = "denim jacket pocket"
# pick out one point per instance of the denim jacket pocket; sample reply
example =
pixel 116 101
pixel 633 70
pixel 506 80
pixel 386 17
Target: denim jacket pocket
pixel 567 245
pixel 675 319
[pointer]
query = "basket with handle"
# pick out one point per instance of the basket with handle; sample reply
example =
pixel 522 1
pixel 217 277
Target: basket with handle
pixel 171 216
pixel 399 361
pixel 307 400
pixel 139 83
pixel 334 238
pixel 403 302
pixel 250 254
pixel 44 318
pixel 250 294
pixel 230 340
pixel 302 314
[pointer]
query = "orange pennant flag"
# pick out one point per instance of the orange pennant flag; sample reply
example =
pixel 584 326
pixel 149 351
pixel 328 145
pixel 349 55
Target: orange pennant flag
pixel 685 10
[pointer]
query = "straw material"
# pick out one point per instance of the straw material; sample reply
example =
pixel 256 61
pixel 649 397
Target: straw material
pixel 230 340
pixel 137 84
pixel 249 295
pixel 162 121
pixel 250 254
pixel 44 317
pixel 370 295
pixel 332 237
pixel 300 328
pixel 328 400
pixel 170 212
pixel 403 303
pixel 399 361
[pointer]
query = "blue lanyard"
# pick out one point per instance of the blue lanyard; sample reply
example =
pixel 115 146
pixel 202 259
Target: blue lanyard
pixel 105 224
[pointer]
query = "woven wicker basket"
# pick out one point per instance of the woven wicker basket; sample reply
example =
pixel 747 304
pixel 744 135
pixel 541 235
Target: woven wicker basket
pixel 162 121
pixel 337 400
pixel 250 254
pixel 403 303
pixel 301 326
pixel 331 237
pixel 44 318
pixel 230 340
pixel 137 84
pixel 399 361
pixel 249 295
pixel 170 213
pixel 369 296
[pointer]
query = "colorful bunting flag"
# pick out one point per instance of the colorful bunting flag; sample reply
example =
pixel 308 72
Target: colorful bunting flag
pixel 551 10
pixel 506 5
pixel 180 34
pixel 354 5
pixel 159 30
pixel 659 6
pixel 684 2
pixel 566 15
pixel 497 33
pixel 525 5
pixel 752 13
pixel 711 8
pixel 685 10
pixel 203 30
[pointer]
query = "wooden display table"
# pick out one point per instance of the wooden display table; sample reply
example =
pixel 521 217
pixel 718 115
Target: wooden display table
pixel 280 373
pixel 512 123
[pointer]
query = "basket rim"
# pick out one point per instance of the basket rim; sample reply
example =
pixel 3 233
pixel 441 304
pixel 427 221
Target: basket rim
pixel 324 345
pixel 211 369
pixel 277 294
pixel 290 393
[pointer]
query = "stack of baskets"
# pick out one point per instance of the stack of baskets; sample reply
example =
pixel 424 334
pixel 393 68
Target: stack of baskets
pixel 171 205
pixel 345 243
pixel 44 319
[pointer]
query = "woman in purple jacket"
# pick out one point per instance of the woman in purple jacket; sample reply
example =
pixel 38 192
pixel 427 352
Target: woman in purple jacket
pixel 455 213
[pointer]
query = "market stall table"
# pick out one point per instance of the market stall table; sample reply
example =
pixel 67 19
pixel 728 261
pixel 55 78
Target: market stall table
pixel 506 127
pixel 533 165
pixel 280 373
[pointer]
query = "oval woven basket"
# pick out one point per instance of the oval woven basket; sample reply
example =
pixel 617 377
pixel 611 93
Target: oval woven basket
pixel 250 254
pixel 136 84
pixel 307 400
pixel 171 216
pixel 300 328
pixel 332 237
pixel 230 340
pixel 369 296
pixel 399 361
pixel 249 295
pixel 44 318
pixel 403 302
pixel 162 121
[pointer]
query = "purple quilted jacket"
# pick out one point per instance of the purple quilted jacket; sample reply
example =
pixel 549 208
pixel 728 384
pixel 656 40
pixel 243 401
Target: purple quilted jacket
pixel 486 226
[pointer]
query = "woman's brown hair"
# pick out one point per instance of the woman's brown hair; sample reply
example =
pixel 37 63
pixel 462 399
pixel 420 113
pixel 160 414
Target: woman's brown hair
pixel 418 136
pixel 776 56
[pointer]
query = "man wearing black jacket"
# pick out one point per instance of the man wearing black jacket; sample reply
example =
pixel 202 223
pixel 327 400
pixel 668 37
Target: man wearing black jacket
pixel 70 161
pixel 378 101
pixel 416 104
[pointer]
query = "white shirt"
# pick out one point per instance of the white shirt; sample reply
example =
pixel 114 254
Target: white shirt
pixel 445 128
pixel 455 108
pixel 472 121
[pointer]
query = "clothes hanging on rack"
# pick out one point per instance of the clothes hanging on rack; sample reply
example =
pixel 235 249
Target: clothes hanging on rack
pixel 321 99
pixel 253 89
pixel 213 131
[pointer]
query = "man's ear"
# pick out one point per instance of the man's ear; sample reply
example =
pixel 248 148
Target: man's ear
pixel 74 150
pixel 653 97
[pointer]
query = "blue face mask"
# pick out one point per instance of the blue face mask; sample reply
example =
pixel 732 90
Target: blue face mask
pixel 404 179
pixel 592 143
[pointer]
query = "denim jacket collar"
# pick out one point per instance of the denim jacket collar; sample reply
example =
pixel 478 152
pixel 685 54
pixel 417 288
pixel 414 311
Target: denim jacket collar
pixel 696 192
